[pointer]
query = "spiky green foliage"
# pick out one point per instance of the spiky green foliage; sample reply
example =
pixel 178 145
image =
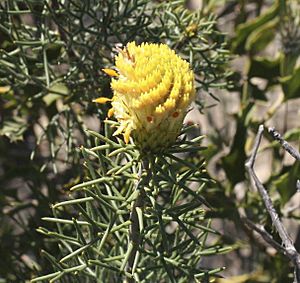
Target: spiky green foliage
pixel 51 54
pixel 97 242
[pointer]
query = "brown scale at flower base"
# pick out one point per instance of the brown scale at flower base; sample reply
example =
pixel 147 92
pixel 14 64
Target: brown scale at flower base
pixel 152 88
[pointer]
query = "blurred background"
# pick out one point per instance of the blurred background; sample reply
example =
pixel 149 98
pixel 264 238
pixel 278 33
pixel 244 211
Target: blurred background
pixel 245 55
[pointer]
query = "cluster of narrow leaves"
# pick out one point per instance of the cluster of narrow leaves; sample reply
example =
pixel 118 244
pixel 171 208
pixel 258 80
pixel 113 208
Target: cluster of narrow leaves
pixel 51 54
pixel 196 36
pixel 95 243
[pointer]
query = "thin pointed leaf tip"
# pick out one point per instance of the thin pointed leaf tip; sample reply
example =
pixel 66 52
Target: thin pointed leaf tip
pixel 152 88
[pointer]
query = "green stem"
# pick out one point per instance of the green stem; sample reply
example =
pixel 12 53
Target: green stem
pixel 135 229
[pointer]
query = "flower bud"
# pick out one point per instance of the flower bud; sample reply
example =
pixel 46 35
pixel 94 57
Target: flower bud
pixel 152 90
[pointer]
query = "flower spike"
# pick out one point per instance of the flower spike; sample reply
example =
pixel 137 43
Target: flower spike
pixel 152 91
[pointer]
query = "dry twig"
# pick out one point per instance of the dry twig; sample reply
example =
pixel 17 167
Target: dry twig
pixel 291 150
pixel 288 247
pixel 260 229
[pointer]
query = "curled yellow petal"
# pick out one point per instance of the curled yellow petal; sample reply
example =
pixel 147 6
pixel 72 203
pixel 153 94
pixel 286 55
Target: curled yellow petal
pixel 110 112
pixel 127 134
pixel 102 100
pixel 110 72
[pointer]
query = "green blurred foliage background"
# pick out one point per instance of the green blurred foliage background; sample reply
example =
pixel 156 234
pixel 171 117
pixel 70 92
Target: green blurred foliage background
pixel 244 54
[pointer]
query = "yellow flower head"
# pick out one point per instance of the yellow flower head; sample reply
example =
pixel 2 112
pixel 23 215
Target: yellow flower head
pixel 152 90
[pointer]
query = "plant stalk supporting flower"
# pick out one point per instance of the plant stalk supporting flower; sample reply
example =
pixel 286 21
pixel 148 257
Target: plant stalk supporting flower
pixel 136 218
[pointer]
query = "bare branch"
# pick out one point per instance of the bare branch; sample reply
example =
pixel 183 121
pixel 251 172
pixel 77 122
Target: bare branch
pixel 288 247
pixel 287 147
pixel 265 235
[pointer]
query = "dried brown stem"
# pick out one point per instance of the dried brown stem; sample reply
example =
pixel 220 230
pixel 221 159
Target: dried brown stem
pixel 287 147
pixel 288 247
pixel 263 233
